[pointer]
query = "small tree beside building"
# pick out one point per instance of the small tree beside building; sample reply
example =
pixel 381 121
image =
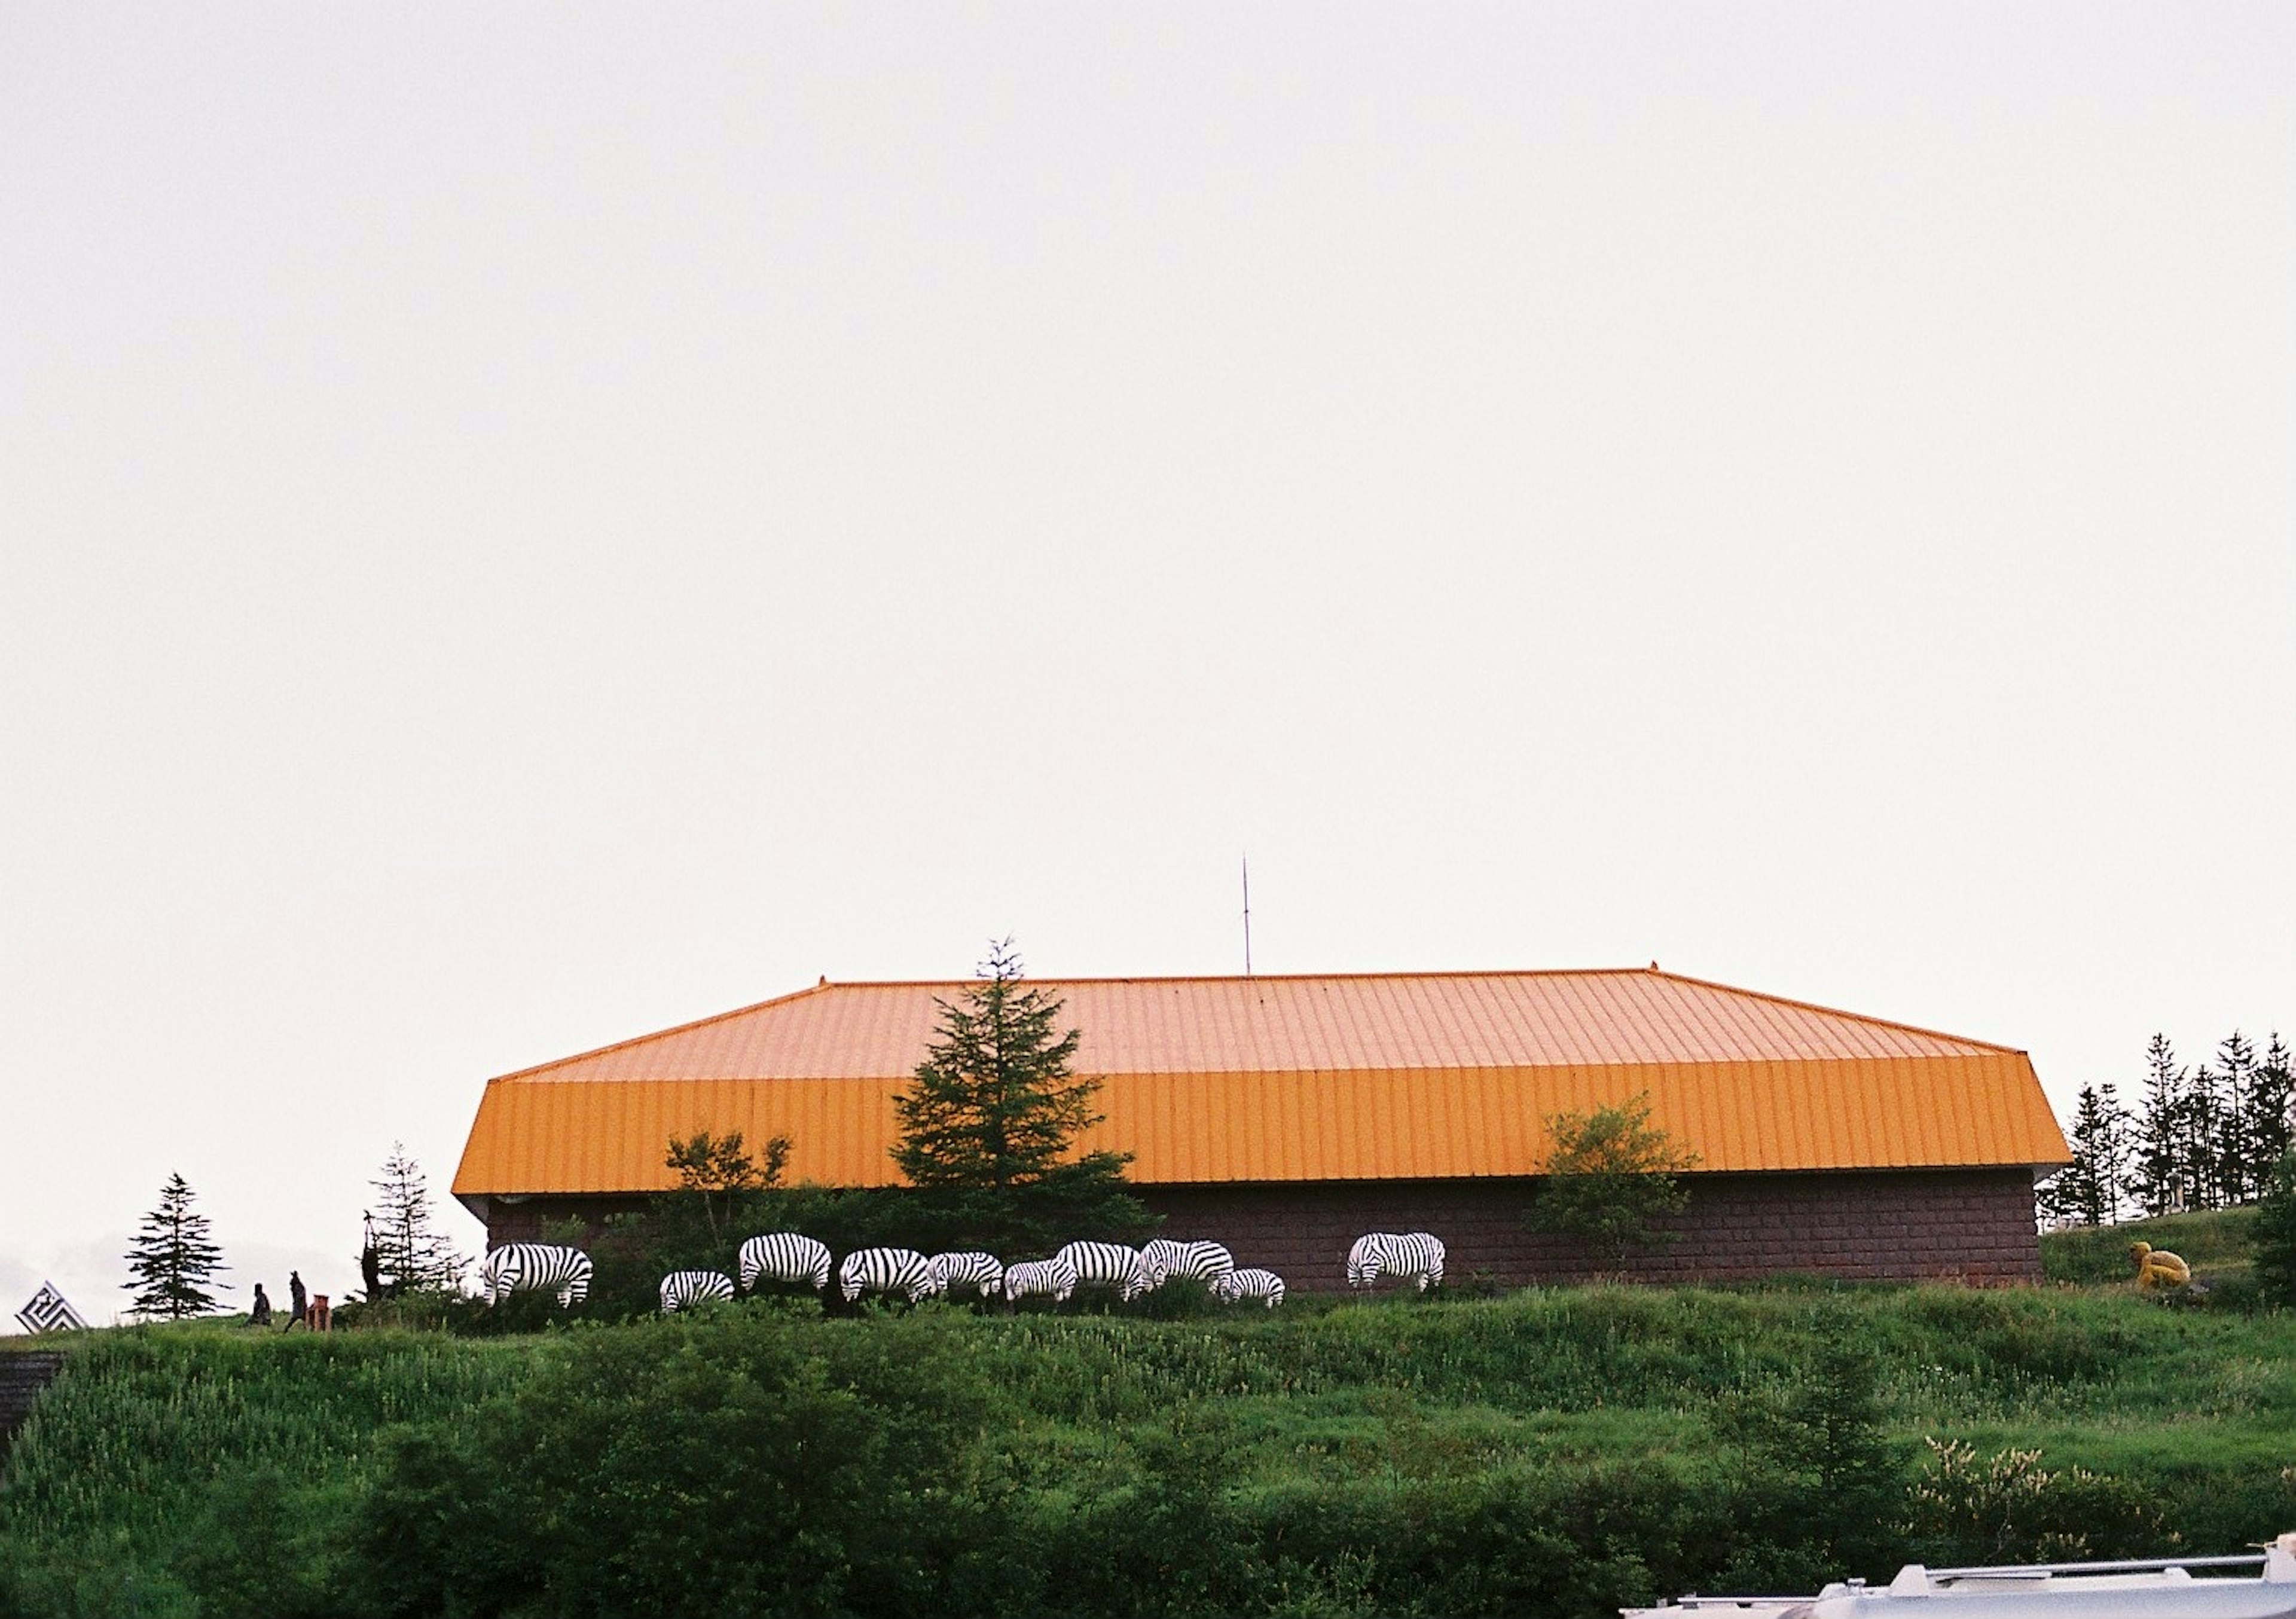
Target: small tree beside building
pixel 174 1262
pixel 718 1171
pixel 1610 1181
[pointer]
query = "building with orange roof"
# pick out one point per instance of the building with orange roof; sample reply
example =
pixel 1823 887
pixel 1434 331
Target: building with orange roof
pixel 1285 1115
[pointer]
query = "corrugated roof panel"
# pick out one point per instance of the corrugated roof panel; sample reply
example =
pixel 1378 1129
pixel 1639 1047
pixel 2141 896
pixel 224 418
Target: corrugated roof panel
pixel 1331 1078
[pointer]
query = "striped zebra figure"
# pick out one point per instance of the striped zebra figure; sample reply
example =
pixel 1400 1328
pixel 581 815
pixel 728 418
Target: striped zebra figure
pixel 902 1271
pixel 1266 1285
pixel 1108 1264
pixel 784 1256
pixel 1053 1279
pixel 683 1289
pixel 535 1267
pixel 982 1271
pixel 1414 1254
pixel 1204 1261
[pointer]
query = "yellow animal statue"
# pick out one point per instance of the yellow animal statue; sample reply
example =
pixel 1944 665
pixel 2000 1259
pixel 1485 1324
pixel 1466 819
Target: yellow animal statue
pixel 2158 1267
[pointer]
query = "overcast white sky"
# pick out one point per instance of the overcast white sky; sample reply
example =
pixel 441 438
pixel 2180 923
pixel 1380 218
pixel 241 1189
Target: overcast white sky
pixel 523 526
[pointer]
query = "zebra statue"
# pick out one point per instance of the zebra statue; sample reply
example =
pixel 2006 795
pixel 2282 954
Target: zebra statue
pixel 1204 1261
pixel 887 1271
pixel 1055 1279
pixel 784 1256
pixel 683 1289
pixel 535 1267
pixel 1108 1264
pixel 1266 1285
pixel 979 1271
pixel 1414 1254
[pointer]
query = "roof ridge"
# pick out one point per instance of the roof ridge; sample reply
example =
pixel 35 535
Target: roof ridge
pixel 1835 1011
pixel 1237 977
pixel 675 1029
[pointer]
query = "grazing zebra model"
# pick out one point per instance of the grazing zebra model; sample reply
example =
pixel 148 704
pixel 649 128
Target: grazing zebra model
pixel 683 1289
pixel 784 1256
pixel 887 1271
pixel 535 1267
pixel 1032 1277
pixel 1266 1285
pixel 1414 1254
pixel 1204 1261
pixel 1108 1264
pixel 983 1271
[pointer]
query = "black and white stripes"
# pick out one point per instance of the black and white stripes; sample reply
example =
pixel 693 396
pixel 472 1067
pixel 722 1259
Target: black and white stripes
pixel 1204 1261
pixel 784 1256
pixel 1265 1285
pixel 683 1289
pixel 535 1267
pixel 1415 1255
pixel 1108 1264
pixel 902 1271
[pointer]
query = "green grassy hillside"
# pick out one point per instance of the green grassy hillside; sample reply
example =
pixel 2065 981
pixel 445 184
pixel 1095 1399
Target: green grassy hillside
pixel 2215 1243
pixel 1557 1452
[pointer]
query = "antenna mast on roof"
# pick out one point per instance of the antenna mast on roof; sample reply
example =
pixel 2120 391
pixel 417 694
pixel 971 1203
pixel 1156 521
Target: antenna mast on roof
pixel 1247 916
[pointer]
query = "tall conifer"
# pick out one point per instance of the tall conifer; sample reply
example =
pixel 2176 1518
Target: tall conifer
pixel 2156 1173
pixel 174 1262
pixel 413 1256
pixel 991 1120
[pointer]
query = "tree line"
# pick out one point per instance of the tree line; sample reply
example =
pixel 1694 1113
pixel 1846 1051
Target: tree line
pixel 2200 1136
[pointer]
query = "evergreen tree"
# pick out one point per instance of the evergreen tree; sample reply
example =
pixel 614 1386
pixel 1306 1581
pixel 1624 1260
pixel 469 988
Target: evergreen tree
pixel 990 1121
pixel 2087 1190
pixel 2157 1171
pixel 411 1255
pixel 174 1260
pixel 2267 1131
pixel 2208 1158
pixel 2274 1234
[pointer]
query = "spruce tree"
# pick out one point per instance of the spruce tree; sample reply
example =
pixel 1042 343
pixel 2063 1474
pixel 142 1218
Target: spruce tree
pixel 990 1121
pixel 174 1262
pixel 2267 1131
pixel 2275 1233
pixel 2157 1174
pixel 2087 1190
pixel 412 1254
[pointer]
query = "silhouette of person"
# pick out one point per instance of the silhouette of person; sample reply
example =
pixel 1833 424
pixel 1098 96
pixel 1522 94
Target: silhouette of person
pixel 297 1301
pixel 371 1261
pixel 260 1315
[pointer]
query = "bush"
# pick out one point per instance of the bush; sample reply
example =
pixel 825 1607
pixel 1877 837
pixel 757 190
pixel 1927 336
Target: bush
pixel 2010 1508
pixel 674 1468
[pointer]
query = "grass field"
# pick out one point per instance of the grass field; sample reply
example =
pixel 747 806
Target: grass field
pixel 1642 1437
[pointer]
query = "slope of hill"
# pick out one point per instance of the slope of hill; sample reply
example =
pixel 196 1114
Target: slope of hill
pixel 1559 1451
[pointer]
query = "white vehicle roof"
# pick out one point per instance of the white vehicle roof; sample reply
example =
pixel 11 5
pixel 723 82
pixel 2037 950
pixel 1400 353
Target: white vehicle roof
pixel 2164 1588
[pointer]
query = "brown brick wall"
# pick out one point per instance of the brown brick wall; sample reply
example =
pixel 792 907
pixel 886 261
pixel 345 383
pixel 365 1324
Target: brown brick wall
pixel 1972 1225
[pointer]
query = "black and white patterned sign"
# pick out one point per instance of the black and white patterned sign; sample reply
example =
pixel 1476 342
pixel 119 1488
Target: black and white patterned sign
pixel 49 1312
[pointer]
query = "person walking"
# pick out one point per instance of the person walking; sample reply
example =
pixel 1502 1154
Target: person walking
pixel 260 1315
pixel 298 1303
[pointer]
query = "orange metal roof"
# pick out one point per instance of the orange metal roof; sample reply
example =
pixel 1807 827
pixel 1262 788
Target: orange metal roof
pixel 1306 1078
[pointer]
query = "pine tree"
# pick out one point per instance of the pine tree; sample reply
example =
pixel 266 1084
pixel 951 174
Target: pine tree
pixel 2210 1155
pixel 2268 1131
pixel 990 1121
pixel 174 1260
pixel 2157 1172
pixel 2087 1190
pixel 2275 1233
pixel 412 1254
